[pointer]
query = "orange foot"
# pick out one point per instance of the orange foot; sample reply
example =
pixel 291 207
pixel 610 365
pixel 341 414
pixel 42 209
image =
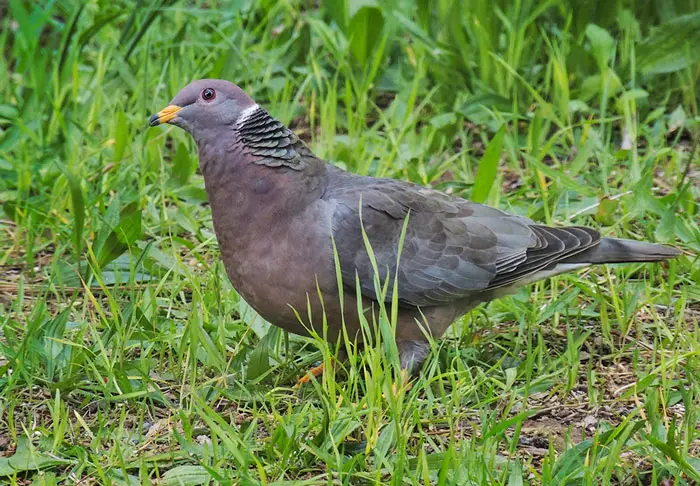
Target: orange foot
pixel 316 372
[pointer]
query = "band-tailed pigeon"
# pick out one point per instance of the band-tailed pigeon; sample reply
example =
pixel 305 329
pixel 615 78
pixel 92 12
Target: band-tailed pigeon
pixel 278 212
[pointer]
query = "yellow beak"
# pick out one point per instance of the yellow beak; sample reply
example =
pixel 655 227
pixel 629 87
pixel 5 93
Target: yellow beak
pixel 164 115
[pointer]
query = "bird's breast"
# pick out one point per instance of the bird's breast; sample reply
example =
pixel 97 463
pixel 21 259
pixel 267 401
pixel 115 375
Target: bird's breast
pixel 279 265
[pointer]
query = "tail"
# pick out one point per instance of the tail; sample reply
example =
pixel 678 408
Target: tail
pixel 614 250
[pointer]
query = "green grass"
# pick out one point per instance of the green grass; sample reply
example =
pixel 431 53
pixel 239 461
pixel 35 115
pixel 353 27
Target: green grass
pixel 125 355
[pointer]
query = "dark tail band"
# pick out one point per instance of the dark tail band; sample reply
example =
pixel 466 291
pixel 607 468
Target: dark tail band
pixel 613 250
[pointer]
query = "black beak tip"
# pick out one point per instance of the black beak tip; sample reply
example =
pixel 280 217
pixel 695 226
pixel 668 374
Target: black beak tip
pixel 154 120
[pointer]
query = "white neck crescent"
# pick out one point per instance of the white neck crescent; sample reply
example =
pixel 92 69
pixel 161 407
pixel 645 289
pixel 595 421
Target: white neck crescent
pixel 245 114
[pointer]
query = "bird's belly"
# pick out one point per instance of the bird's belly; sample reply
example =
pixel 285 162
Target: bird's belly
pixel 278 295
pixel 281 275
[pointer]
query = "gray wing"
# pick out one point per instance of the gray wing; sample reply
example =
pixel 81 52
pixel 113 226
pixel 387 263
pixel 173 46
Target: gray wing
pixel 453 249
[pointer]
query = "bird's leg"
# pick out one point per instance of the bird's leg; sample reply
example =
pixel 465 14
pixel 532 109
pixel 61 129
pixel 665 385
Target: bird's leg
pixel 316 371
pixel 412 355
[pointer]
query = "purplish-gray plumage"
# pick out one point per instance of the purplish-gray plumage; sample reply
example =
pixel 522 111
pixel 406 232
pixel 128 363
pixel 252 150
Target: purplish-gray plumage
pixel 278 209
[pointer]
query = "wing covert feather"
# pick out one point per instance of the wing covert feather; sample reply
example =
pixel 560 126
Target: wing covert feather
pixel 453 248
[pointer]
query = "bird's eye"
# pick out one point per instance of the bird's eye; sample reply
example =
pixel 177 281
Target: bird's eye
pixel 208 94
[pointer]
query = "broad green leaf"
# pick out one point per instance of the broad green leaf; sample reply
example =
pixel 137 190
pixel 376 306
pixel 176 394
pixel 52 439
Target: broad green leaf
pixel 251 317
pixel 419 33
pixel 119 272
pixel 187 475
pixel 27 458
pixel 183 167
pixel 443 120
pixel 488 167
pixel 634 94
pixel 666 228
pixel 515 476
pixel 489 100
pixel 434 461
pixel 606 211
pixel 607 83
pixel 122 236
pixel 8 112
pixel 337 10
pixel 364 32
pixel 121 135
pixel 677 119
pixel 672 46
pixel 119 479
pixel 259 362
pixel 602 44
pixel 78 202
pixel 55 353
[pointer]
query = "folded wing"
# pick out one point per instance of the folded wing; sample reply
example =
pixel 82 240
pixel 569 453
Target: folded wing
pixel 452 250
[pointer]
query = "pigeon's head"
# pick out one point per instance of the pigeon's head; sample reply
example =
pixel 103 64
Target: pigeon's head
pixel 205 105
